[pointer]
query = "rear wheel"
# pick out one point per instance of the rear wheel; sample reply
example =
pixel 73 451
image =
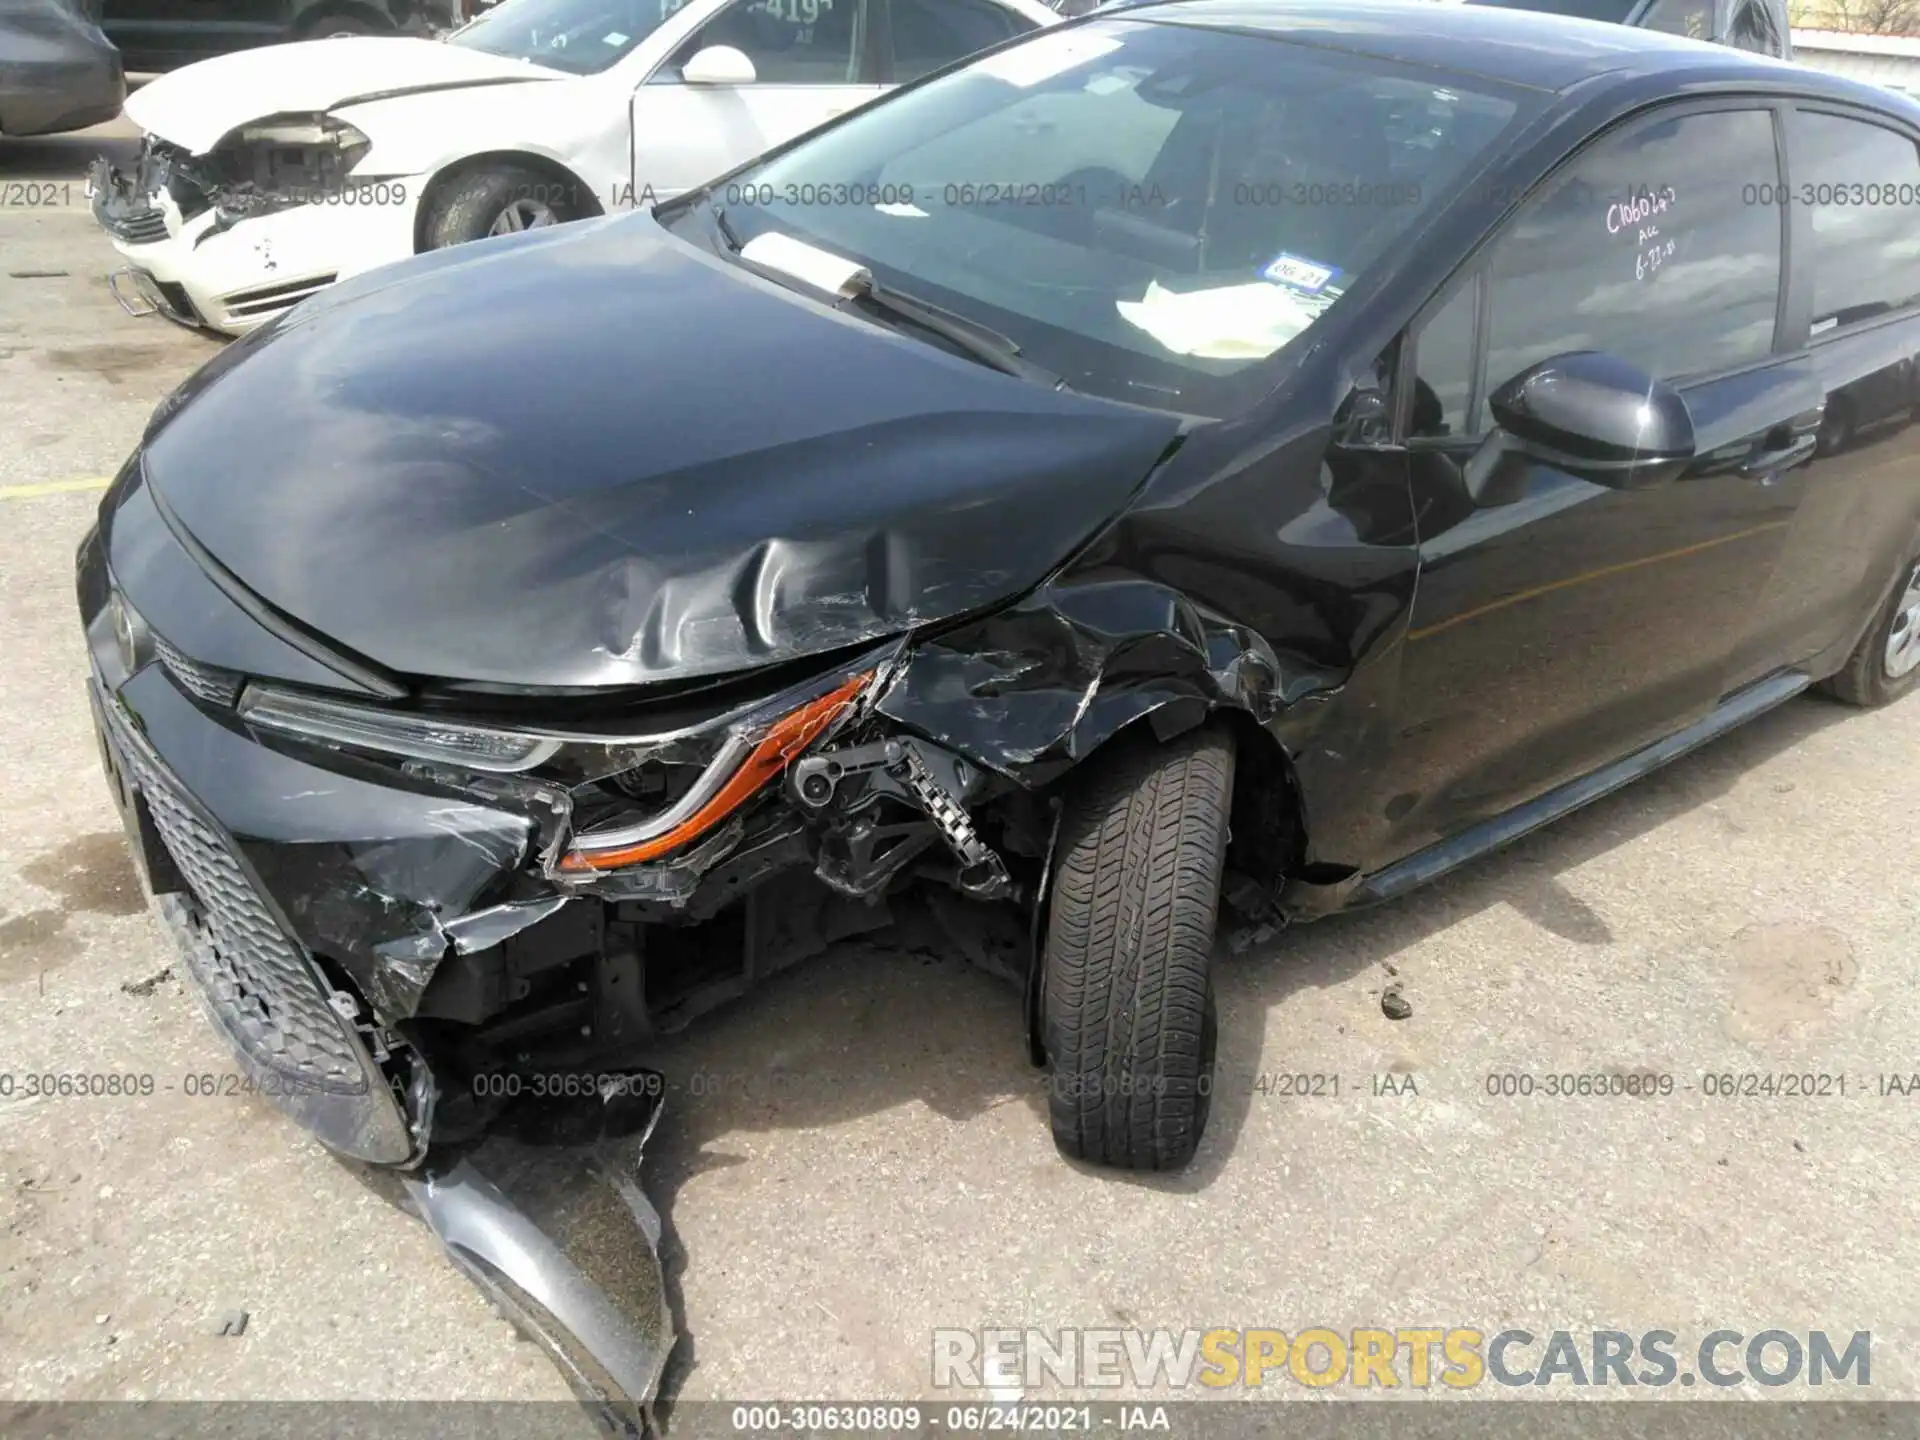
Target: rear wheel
pixel 1836 427
pixel 1886 665
pixel 1128 1017
pixel 499 200
pixel 341 27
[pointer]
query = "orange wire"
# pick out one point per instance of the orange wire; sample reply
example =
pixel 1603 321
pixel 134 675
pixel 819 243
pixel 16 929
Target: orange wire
pixel 783 743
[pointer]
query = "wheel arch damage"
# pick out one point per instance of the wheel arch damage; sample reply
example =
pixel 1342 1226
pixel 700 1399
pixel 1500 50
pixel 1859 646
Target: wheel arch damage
pixel 1033 692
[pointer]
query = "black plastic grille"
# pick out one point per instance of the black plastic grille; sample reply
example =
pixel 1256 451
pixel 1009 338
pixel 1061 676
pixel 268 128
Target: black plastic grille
pixel 205 682
pixel 259 981
pixel 142 227
pixel 271 299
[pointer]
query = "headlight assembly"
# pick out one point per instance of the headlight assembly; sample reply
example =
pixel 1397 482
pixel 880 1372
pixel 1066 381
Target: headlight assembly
pixel 756 751
pixel 276 164
pixel 730 758
pixel 424 737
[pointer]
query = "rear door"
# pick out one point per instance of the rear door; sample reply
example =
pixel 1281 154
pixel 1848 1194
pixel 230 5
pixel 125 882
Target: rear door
pixel 1574 623
pixel 1853 195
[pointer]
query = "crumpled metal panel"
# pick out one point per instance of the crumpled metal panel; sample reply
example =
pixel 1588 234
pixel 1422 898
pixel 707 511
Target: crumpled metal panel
pixel 1031 690
pixel 1253 582
pixel 364 873
pixel 712 473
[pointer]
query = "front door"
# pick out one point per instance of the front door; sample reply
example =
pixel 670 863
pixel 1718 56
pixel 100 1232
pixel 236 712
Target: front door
pixel 1570 624
pixel 812 60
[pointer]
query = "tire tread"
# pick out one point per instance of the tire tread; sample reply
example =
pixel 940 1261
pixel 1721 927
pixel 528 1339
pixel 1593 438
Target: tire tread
pixel 1128 951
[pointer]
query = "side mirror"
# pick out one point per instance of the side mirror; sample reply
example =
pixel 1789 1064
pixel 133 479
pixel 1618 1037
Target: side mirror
pixel 1599 418
pixel 718 65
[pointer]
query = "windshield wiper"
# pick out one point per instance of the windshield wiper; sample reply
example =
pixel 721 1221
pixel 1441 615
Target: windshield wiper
pixel 722 224
pixel 978 341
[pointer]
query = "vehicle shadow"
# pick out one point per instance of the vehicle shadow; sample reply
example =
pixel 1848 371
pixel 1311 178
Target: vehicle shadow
pixel 868 1028
pixel 60 158
pixel 902 1016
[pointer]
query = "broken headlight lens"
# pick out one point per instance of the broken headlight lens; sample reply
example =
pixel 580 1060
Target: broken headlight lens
pixel 291 160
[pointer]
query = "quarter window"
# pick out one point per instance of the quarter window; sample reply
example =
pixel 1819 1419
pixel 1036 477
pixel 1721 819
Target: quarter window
pixel 1860 185
pixel 1650 247
pixel 1443 367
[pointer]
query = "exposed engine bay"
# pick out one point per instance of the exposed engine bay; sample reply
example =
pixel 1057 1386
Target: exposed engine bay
pixel 665 873
pixel 712 859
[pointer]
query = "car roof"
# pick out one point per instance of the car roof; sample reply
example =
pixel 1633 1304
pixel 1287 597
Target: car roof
pixel 1516 47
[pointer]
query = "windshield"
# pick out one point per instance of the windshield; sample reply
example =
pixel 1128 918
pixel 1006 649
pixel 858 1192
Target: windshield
pixel 1149 211
pixel 579 36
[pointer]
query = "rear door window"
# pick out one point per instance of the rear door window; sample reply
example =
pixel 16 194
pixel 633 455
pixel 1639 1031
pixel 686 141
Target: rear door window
pixel 1860 184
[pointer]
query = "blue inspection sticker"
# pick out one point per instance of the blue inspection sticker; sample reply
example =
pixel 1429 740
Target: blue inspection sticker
pixel 1297 273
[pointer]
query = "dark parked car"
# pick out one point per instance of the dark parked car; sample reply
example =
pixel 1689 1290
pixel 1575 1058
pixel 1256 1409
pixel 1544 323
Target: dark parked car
pixel 58 72
pixel 1757 25
pixel 1278 452
pixel 166 34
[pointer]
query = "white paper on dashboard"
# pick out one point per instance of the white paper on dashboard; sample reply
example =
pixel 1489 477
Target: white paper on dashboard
pixel 1234 322
pixel 809 264
pixel 1045 57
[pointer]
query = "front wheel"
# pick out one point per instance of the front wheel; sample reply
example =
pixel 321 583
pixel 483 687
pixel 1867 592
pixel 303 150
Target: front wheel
pixel 1128 1017
pixel 500 200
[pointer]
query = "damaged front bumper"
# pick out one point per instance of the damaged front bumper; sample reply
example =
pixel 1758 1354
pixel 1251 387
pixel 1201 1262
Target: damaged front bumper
pixel 209 249
pixel 464 889
pixel 412 925
pixel 405 927
pixel 300 898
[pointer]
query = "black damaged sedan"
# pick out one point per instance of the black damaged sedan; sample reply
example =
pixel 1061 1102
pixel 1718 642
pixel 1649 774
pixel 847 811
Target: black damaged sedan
pixel 1214 453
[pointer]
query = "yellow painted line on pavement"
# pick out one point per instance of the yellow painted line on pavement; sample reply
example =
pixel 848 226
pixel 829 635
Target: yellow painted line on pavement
pixel 51 487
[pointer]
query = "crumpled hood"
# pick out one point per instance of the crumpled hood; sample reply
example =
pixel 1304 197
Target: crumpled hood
pixel 598 456
pixel 199 104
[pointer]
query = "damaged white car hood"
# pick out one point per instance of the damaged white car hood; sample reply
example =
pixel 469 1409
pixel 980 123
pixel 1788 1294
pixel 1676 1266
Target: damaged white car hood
pixel 199 105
